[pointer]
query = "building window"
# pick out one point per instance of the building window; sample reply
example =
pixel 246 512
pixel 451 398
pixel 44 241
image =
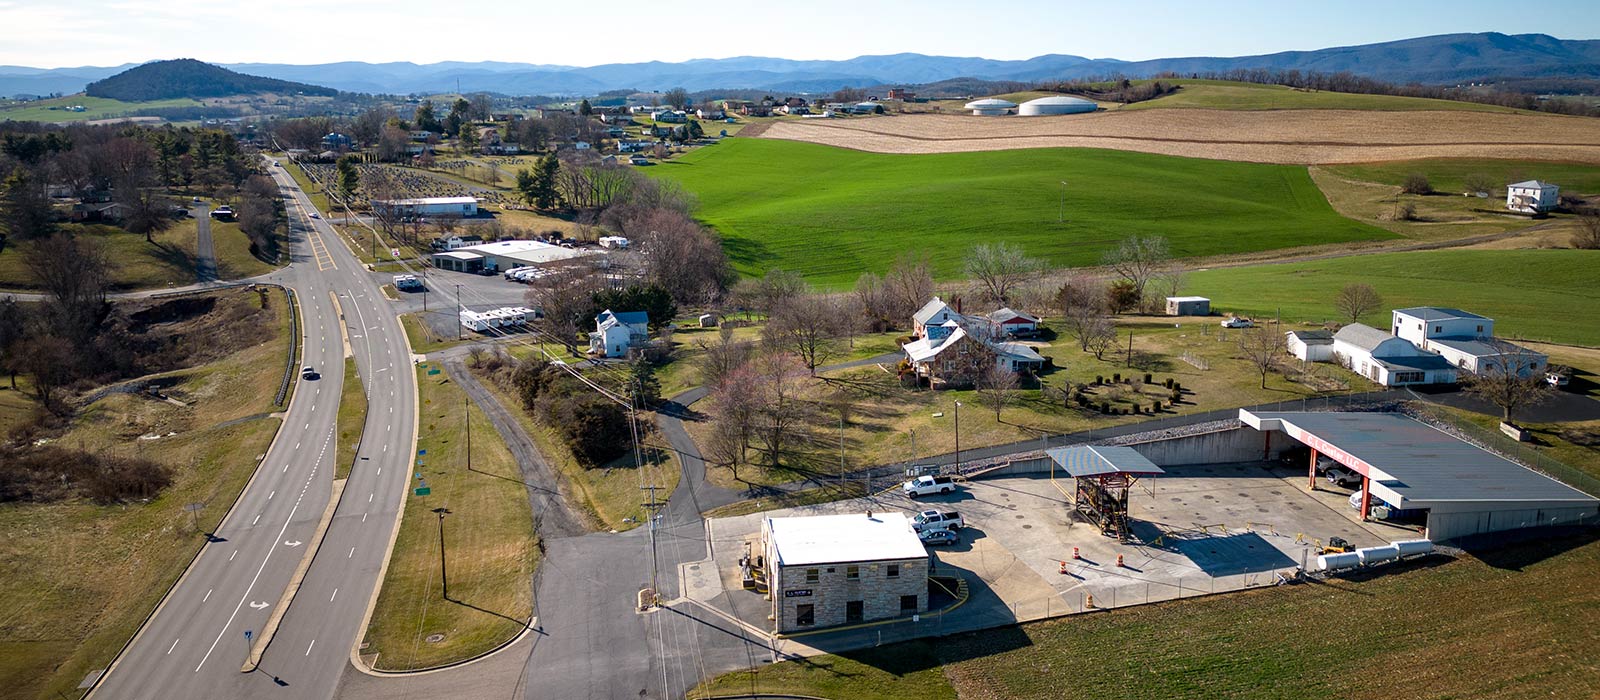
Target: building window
pixel 852 573
pixel 1480 330
pixel 811 576
pixel 805 615
pixel 855 611
pixel 894 571
pixel 908 603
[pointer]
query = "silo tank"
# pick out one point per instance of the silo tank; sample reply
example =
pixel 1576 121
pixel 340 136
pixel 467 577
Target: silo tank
pixel 1374 555
pixel 1412 547
pixel 1337 561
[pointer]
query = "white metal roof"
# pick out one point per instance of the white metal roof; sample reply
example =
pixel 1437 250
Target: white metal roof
pixel 424 201
pixel 836 539
pixel 1532 184
pixel 1187 299
pixel 459 254
pixel 990 103
pixel 532 252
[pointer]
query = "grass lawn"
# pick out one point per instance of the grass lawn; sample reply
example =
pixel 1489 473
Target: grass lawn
pixel 1449 174
pixel 1222 94
pixel 55 109
pixel 1545 295
pixel 489 538
pixel 1436 217
pixel 312 190
pixel 1521 623
pixel 831 213
pixel 166 261
pixel 232 248
pixel 79 578
pixel 423 339
pixel 352 419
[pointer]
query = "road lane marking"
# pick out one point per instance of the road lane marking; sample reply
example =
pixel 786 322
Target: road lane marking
pixel 363 517
pixel 235 554
pixel 369 497
pixel 351 554
pixel 297 445
pixel 208 595
pixel 270 495
pixel 335 595
pixel 285 469
pixel 174 646
pixel 258 517
pixel 380 469
pixel 308 647
pixel 248 589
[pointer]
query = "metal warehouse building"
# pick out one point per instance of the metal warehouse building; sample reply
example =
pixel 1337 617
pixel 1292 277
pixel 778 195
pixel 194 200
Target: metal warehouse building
pixel 503 255
pixel 1410 469
pixel 429 206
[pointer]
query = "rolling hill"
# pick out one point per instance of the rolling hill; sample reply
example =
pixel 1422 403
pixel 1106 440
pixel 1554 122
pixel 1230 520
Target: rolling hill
pixel 186 77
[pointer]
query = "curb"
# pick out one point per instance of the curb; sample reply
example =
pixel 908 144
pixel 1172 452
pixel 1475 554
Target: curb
pixel 284 601
pixel 294 342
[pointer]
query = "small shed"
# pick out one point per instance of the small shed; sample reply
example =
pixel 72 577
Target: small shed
pixel 708 320
pixel 1188 306
pixel 1310 346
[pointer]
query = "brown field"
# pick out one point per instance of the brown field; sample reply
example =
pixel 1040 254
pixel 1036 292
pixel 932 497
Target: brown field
pixel 1276 136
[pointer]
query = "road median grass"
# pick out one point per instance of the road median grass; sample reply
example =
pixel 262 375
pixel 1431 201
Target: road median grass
pixel 490 545
pixel 1530 610
pixel 352 419
pixel 78 579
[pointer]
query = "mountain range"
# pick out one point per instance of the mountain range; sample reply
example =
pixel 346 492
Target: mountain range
pixel 1442 59
pixel 186 77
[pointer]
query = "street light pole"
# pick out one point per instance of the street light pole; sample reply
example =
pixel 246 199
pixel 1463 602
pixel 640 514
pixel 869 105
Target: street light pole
pixel 458 312
pixel 1063 217
pixel 444 576
pixel 467 418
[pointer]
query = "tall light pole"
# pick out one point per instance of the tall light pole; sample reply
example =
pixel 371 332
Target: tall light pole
pixel 466 417
pixel 458 312
pixel 444 576
pixel 958 437
pixel 1063 217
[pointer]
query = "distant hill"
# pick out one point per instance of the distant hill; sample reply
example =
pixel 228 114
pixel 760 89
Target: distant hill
pixel 186 77
pixel 1443 59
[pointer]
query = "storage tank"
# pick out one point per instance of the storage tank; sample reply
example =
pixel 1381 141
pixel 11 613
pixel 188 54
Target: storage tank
pixel 1378 555
pixel 990 107
pixel 1337 561
pixel 1057 104
pixel 1410 548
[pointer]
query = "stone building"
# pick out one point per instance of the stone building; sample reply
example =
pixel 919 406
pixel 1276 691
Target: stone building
pixel 829 570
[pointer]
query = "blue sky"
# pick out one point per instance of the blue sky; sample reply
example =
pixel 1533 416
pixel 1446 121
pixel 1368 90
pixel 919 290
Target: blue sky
pixel 81 32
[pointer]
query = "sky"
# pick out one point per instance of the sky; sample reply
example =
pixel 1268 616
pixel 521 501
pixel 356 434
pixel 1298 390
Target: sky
pixel 58 33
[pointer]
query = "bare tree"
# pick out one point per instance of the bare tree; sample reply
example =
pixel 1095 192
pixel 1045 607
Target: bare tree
pixel 721 358
pixel 871 301
pixel 75 272
pixel 1588 235
pixel 1511 378
pixel 998 269
pixel 1099 333
pixel 907 285
pixel 807 326
pixel 767 293
pixel 782 393
pixel 1139 259
pixel 565 298
pixel 677 97
pixel 1356 300
pixel 1263 347
pixel 995 384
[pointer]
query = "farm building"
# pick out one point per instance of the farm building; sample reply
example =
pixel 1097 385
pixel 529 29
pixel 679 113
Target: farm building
pixel 828 570
pixel 1013 323
pixel 1412 472
pixel 1388 360
pixel 1310 346
pixel 616 333
pixel 503 255
pixel 1532 197
pixel 1464 339
pixel 991 107
pixel 950 357
pixel 428 206
pixel 1188 306
pixel 933 313
pixel 1057 104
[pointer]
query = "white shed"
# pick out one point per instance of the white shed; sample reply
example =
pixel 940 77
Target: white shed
pixel 1310 346
pixel 1188 306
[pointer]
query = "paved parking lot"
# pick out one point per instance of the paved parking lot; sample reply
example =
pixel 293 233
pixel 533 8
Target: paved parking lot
pixel 1199 529
pixel 478 293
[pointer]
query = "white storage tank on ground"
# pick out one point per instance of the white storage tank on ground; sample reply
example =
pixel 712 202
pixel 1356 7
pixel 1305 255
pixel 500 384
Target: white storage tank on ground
pixel 990 107
pixel 1057 104
pixel 1337 561
pixel 1412 547
pixel 1376 555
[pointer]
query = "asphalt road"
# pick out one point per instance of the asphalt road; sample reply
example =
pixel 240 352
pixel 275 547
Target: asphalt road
pixel 194 645
pixel 205 263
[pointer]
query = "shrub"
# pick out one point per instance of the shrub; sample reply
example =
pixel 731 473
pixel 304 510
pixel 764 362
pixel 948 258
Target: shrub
pixel 1147 377
pixel 1417 183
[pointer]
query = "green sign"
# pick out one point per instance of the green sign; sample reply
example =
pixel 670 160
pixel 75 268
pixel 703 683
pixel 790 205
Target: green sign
pixel 422 491
pixel 433 371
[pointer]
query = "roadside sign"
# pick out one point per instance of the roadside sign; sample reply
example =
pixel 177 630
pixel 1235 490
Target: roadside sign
pixel 422 491
pixel 419 475
pixel 394 252
pixel 421 452
pixel 433 371
pixel 248 634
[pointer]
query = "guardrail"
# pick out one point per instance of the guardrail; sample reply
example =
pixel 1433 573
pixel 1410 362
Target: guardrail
pixel 294 347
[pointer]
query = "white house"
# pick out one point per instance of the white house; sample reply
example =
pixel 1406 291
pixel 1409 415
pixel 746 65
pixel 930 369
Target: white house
pixel 1311 346
pixel 1532 197
pixel 710 113
pixel 1388 360
pixel 615 333
pixel 947 356
pixel 1014 323
pixel 669 116
pixel 1465 340
pixel 933 313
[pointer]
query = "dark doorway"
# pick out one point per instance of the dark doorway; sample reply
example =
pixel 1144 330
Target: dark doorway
pixel 854 611
pixel 805 615
pixel 908 604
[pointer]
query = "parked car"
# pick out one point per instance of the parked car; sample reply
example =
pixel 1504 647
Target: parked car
pixel 1557 379
pixel 928 485
pixel 315 215
pixel 934 538
pixel 308 372
pixel 513 271
pixel 937 520
pixel 1236 322
pixel 1340 475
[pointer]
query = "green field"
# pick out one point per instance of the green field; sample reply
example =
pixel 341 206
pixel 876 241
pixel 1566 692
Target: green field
pixel 168 260
pixel 1520 623
pixel 831 214
pixel 1222 94
pixel 1449 174
pixel 1546 295
pixel 55 109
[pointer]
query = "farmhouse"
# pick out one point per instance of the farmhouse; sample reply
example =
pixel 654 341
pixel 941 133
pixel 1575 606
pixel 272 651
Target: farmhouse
pixel 828 570
pixel 1310 346
pixel 504 255
pixel 669 116
pixel 428 206
pixel 615 333
pixel 1388 360
pixel 1464 339
pixel 1532 197
pixel 933 313
pixel 1188 306
pixel 951 357
pixel 1412 472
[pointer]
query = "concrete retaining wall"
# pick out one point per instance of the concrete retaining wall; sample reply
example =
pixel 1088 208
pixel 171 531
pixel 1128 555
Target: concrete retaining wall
pixel 1229 446
pixel 1444 526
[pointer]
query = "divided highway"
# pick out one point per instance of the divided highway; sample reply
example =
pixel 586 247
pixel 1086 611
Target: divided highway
pixel 195 644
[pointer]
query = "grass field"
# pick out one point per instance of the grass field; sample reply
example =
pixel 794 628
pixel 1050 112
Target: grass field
pixel 1546 295
pixel 352 419
pixel 54 110
pixel 168 261
pixel 832 213
pixel 77 579
pixel 1521 623
pixel 1449 174
pixel 1224 94
pixel 490 544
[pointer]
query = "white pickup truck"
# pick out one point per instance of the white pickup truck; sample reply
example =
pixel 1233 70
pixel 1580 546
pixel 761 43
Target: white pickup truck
pixel 937 520
pixel 928 485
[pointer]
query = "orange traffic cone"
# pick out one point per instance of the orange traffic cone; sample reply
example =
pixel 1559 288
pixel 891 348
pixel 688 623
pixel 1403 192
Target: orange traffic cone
pixel 1063 567
pixel 1119 560
pixel 1088 601
pixel 1074 553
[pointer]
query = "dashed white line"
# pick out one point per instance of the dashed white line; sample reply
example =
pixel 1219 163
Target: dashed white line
pixel 363 517
pixel 351 554
pixel 258 517
pixel 369 497
pixel 174 646
pixel 308 647
pixel 335 595
pixel 297 445
pixel 235 554
pixel 380 469
pixel 270 495
pixel 285 469
pixel 208 595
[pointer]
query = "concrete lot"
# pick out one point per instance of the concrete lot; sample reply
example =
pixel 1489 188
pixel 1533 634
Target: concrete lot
pixel 478 293
pixel 1202 529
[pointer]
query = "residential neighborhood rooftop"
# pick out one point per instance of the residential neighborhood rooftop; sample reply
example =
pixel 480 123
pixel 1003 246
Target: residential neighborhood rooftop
pixel 1362 336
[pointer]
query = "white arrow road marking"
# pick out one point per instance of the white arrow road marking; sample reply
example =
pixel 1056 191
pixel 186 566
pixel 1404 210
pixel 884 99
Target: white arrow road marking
pixel 294 543
pixel 247 590
pixel 258 605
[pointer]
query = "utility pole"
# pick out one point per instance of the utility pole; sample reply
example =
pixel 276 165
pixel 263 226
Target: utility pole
pixel 458 325
pixel 841 448
pixel 958 437
pixel 466 417
pixel 1130 347
pixel 652 507
pixel 1063 217
pixel 444 576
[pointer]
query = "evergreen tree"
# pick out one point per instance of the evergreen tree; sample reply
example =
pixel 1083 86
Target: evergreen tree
pixel 585 109
pixel 24 207
pixel 349 177
pixel 642 379
pixel 425 118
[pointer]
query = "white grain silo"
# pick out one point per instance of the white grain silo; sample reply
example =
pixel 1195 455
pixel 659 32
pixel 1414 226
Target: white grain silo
pixel 1058 104
pixel 990 107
